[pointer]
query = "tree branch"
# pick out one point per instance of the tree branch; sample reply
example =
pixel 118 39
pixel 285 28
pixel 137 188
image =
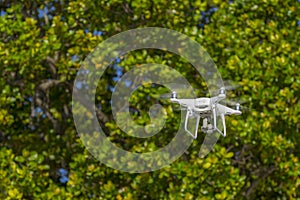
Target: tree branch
pixel 52 65
pixel 263 174
pixel 101 116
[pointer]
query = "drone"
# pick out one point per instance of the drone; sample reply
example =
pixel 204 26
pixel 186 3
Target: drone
pixel 207 108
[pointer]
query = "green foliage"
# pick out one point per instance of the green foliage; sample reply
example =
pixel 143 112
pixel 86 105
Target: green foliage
pixel 255 43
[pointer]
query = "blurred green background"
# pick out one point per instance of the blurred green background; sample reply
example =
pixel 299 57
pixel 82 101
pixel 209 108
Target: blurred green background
pixel 253 43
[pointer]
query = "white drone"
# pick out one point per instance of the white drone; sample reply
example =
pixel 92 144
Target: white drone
pixel 207 108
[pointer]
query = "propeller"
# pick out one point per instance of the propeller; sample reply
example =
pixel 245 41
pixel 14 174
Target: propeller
pixel 178 90
pixel 236 104
pixel 228 86
pixel 167 97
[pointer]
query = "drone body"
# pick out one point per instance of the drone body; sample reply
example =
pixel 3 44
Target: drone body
pixel 207 108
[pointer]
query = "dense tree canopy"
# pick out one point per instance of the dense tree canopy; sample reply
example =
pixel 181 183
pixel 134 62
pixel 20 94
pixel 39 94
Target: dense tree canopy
pixel 253 43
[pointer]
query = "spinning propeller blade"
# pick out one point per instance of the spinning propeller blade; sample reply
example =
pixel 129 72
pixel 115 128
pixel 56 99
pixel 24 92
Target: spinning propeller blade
pixel 228 86
pixel 236 104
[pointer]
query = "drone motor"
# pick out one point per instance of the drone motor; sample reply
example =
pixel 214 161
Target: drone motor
pixel 237 106
pixel 174 95
pixel 222 91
